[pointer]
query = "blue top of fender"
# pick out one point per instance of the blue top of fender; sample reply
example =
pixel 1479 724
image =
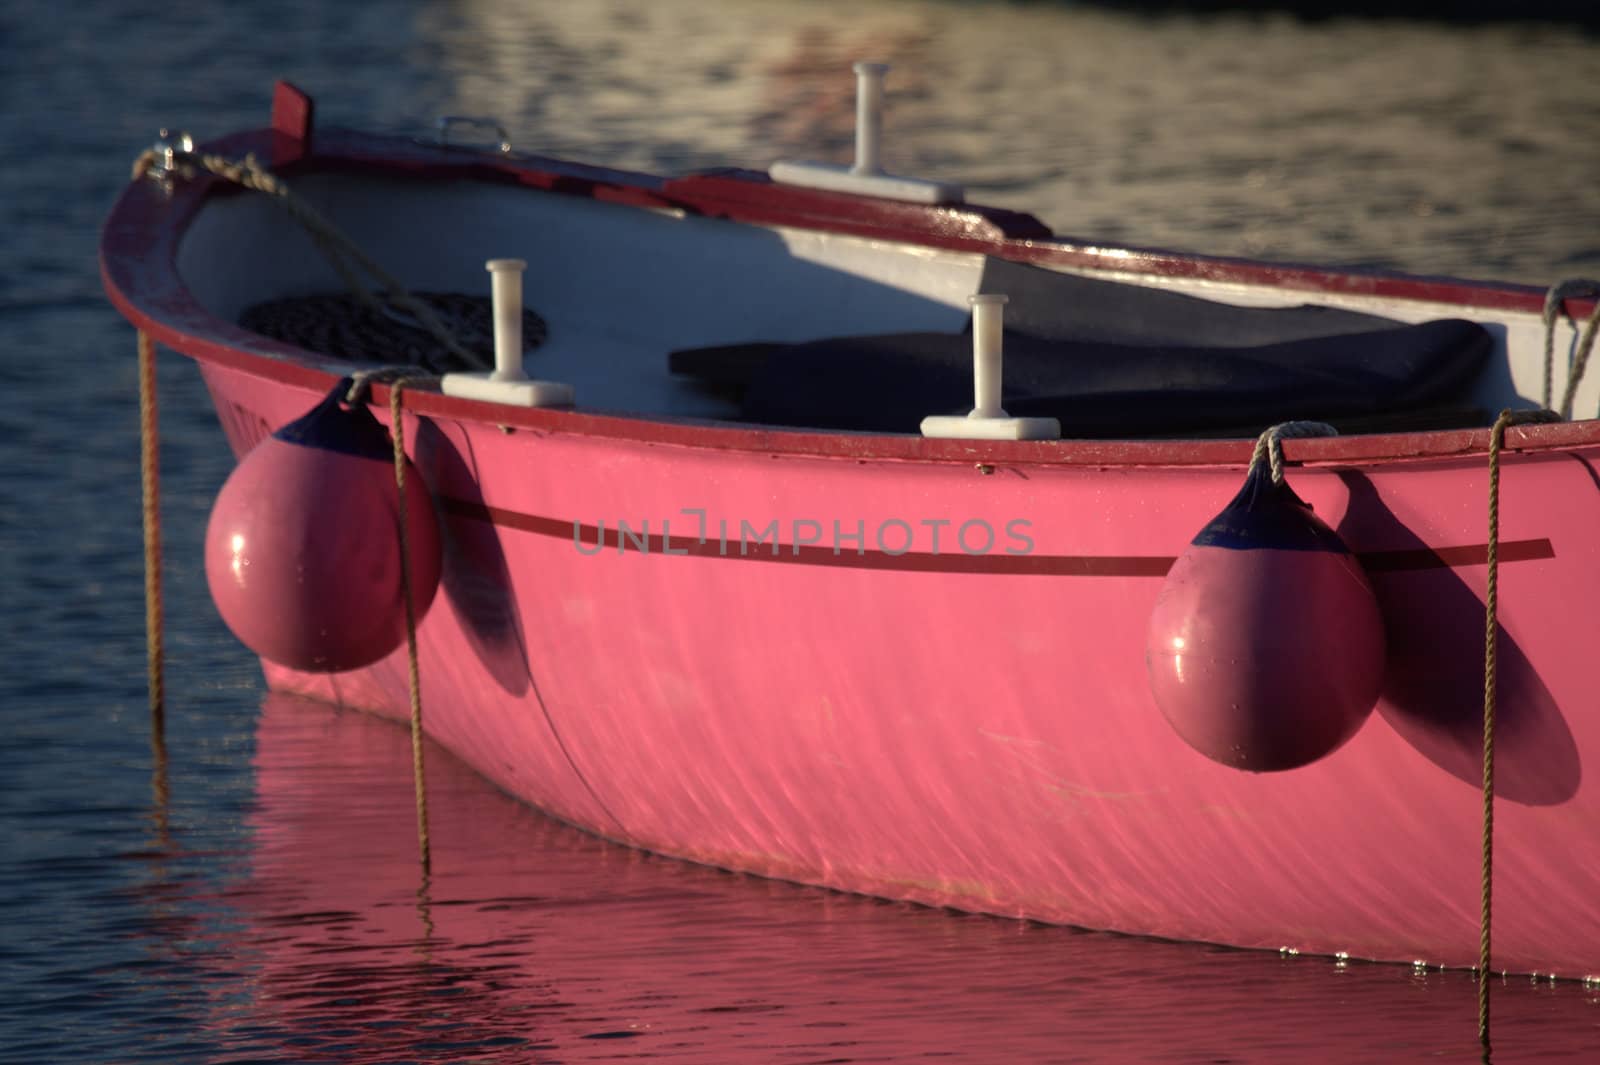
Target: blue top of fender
pixel 1268 516
pixel 333 426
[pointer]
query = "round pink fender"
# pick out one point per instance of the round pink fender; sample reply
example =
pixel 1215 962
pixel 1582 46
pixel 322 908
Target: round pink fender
pixel 303 545
pixel 1266 645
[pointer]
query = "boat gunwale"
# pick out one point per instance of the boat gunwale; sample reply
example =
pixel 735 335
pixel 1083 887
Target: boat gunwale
pixel 142 233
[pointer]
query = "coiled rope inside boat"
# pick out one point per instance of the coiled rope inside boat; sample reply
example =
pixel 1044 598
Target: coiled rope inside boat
pixel 343 326
pixel 436 332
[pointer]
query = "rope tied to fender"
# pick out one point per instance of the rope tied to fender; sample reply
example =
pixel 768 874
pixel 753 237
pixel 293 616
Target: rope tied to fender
pixel 399 378
pixel 1269 445
pixel 413 676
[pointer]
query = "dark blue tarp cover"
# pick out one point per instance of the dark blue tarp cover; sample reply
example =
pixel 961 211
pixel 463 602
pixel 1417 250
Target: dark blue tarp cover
pixel 1118 360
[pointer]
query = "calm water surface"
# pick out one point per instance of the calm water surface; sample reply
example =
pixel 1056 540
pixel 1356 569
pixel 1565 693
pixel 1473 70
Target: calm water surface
pixel 260 900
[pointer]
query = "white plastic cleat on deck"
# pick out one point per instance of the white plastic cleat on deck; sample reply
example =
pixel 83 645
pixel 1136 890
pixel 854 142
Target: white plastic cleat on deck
pixel 508 383
pixel 867 177
pixel 988 420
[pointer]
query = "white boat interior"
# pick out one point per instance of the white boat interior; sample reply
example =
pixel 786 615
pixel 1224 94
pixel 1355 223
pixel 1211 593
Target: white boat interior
pixel 621 288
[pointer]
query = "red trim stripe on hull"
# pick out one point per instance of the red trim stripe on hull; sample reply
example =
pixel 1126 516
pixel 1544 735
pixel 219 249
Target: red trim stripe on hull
pixel 595 537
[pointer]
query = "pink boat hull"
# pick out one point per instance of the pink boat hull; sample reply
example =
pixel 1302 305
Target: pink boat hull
pixel 824 693
pixel 974 730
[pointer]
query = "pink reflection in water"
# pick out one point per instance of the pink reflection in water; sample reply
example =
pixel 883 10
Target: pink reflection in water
pixel 535 942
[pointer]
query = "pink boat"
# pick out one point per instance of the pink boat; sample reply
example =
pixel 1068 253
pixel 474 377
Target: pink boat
pixel 711 586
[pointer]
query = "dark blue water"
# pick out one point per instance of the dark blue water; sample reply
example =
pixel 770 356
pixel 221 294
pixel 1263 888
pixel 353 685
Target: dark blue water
pixel 258 900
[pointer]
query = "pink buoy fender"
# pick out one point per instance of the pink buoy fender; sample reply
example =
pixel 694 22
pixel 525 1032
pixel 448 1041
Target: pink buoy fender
pixel 303 545
pixel 1266 646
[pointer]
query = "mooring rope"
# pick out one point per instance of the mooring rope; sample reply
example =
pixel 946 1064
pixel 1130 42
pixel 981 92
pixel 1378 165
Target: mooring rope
pixel 150 479
pixel 339 249
pixel 1269 444
pixel 419 780
pixel 398 379
pixel 1491 610
pixel 1553 300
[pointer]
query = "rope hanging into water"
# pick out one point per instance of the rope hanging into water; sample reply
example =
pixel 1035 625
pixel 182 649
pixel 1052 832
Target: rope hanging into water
pixel 1558 294
pixel 1269 444
pixel 1490 640
pixel 414 682
pixel 342 252
pixel 150 480
pixel 398 381
pixel 1491 607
